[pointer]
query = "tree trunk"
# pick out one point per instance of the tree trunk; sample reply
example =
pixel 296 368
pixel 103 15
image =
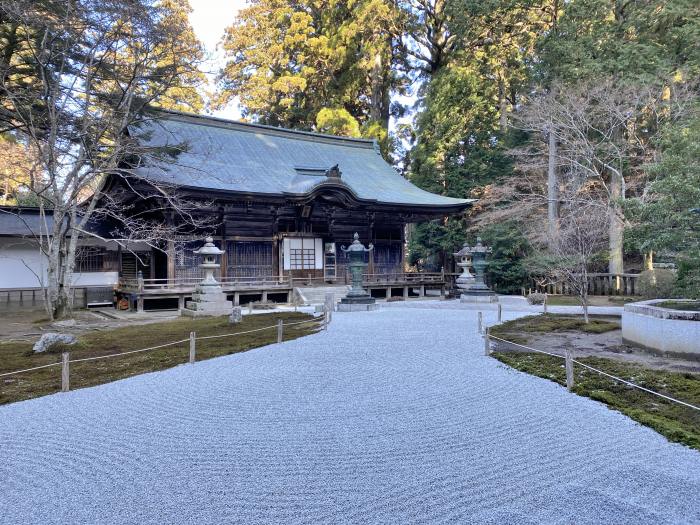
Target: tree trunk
pixel 502 107
pixel 616 228
pixel 552 189
pixel 375 112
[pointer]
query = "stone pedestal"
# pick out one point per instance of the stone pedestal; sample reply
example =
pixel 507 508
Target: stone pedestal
pixel 357 307
pixel 471 297
pixel 208 299
pixel 472 287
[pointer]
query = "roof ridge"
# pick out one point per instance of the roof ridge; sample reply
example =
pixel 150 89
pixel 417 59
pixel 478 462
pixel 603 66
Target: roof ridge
pixel 269 130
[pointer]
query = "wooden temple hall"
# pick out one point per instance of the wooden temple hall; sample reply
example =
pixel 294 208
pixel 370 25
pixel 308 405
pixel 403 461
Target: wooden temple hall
pixel 280 203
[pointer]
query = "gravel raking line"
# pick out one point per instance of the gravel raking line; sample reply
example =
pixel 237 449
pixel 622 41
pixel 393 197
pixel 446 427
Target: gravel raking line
pixel 393 416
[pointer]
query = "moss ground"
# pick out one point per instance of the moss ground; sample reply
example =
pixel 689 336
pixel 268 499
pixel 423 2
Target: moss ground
pixel 677 422
pixel 517 330
pixel 593 300
pixel 18 355
pixel 680 305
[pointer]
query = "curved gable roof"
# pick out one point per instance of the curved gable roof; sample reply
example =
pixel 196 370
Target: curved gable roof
pixel 222 155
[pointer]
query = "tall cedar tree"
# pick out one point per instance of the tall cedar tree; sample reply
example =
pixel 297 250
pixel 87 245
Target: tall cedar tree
pixel 288 61
pixel 462 129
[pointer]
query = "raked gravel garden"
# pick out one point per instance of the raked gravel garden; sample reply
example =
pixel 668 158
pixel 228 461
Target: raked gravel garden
pixel 394 416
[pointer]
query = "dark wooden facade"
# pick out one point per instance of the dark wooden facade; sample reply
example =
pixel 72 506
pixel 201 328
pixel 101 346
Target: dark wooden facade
pixel 301 240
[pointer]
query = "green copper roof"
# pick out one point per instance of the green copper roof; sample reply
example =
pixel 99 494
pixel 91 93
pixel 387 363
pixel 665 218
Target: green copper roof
pixel 246 158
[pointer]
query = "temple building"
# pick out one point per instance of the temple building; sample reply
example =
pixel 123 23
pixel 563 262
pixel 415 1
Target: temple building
pixel 279 202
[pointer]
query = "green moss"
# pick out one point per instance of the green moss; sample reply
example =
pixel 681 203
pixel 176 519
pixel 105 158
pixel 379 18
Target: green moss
pixel 516 329
pixel 692 306
pixel 593 300
pixel 18 355
pixel 676 422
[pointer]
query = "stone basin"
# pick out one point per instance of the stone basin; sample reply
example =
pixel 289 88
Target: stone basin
pixel 662 330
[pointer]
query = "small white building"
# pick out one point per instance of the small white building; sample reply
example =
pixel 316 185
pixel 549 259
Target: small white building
pixel 23 265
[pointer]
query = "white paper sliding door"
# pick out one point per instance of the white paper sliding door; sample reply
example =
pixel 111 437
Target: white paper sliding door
pixel 302 253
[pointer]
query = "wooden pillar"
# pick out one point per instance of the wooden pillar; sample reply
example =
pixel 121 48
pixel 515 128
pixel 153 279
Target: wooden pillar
pixel 403 246
pixel 276 271
pixel 276 256
pixel 405 293
pixel 224 257
pixel 264 296
pixel 388 292
pixel 236 298
pixel 370 239
pixel 170 250
pixel 152 272
pixel 422 290
pixel 181 302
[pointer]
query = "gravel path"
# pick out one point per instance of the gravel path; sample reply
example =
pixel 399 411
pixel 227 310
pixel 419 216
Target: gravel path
pixel 392 416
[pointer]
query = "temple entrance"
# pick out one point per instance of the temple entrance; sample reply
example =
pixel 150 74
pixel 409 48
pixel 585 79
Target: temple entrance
pixel 302 257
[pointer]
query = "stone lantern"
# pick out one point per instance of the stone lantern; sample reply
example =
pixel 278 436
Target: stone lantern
pixel 474 289
pixel 208 299
pixel 357 298
pixel 464 261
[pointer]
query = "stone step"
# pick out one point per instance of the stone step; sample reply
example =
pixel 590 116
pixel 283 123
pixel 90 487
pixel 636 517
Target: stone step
pixel 317 294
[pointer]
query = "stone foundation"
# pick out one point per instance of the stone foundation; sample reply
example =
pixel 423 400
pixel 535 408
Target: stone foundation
pixel 478 298
pixel 357 307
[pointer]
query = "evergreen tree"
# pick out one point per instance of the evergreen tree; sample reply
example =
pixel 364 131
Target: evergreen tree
pixel 289 60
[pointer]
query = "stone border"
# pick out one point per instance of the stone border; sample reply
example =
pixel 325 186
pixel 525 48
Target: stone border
pixel 649 308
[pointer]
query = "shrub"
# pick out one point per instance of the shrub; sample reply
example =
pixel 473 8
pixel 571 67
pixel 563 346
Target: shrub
pixel 657 283
pixel 536 298
pixel 688 283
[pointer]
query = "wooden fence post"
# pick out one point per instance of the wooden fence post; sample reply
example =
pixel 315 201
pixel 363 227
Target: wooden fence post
pixel 500 312
pixel 193 343
pixel 480 318
pixel 569 368
pixel 280 330
pixel 487 343
pixel 65 372
pixel 250 307
pixel 544 304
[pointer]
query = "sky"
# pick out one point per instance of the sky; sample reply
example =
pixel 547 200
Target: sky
pixel 209 19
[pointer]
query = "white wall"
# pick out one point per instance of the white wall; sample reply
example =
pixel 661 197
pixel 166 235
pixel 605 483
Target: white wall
pixel 23 266
pixel 666 335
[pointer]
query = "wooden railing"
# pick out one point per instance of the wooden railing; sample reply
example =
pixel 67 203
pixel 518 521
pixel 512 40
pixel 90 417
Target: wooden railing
pixel 403 278
pixel 144 285
pixel 375 278
pixel 598 284
pixel 281 281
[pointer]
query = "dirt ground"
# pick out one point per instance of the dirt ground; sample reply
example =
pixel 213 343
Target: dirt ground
pixel 608 345
pixel 18 324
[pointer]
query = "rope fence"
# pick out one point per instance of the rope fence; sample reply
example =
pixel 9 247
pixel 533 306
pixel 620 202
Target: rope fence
pixel 569 364
pixel 65 361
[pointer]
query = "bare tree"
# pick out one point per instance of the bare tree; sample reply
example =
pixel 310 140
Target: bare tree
pixel 79 75
pixel 603 131
pixel 577 245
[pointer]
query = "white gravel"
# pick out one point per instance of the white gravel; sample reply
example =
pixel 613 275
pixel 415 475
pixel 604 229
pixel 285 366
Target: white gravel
pixel 393 416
